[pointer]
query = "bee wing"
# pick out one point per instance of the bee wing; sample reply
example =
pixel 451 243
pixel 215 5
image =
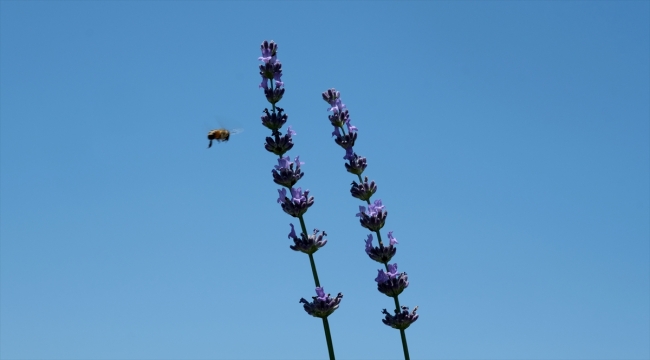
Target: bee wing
pixel 236 131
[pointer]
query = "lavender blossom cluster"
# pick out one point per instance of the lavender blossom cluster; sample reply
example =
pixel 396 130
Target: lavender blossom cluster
pixel 390 282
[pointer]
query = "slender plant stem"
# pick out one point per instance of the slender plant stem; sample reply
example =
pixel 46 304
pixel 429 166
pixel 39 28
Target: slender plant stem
pixel 326 325
pixel 328 336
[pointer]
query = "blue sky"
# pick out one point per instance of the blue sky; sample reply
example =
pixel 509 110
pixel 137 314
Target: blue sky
pixel 509 141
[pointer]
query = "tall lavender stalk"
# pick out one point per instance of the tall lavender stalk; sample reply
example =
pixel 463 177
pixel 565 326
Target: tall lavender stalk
pixel 389 282
pixel 286 174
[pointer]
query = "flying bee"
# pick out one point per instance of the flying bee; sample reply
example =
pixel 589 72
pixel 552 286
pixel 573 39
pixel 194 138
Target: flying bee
pixel 221 135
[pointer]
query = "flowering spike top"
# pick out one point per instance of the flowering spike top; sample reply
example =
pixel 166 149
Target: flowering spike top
pixel 271 69
pixel 323 305
pixel 269 50
pixel 333 98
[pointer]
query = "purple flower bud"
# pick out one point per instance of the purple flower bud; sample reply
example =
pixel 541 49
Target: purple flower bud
pixel 356 164
pixel 307 244
pixel 291 132
pixel 331 95
pixel 339 119
pixel 391 283
pixel 272 96
pixel 402 319
pixel 323 305
pixel 364 190
pixel 346 141
pixel 336 132
pixel 274 121
pixel 333 98
pixel 271 71
pixel 269 51
pixel 278 144
pixel 298 204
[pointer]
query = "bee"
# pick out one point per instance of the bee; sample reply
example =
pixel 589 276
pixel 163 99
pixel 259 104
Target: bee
pixel 221 135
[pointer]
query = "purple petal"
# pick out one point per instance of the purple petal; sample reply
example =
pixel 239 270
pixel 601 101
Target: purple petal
pixel 362 210
pixel 292 234
pixel 393 241
pixel 283 163
pixel 321 293
pixel 369 243
pixel 349 154
pixel 297 161
pixel 283 195
pixel 381 277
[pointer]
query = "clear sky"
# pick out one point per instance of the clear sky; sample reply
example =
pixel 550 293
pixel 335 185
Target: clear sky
pixel 509 141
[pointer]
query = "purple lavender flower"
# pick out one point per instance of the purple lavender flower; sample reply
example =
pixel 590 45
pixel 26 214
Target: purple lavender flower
pixel 374 218
pixel 274 121
pixel 345 141
pixel 339 118
pixel 391 283
pixel 402 319
pixel 298 204
pixel 332 97
pixel 364 190
pixel 322 305
pixel 271 71
pixel 381 253
pixel 392 240
pixel 351 128
pixel 269 50
pixel 273 96
pixel 285 174
pixel 356 164
pixel 279 144
pixel 307 244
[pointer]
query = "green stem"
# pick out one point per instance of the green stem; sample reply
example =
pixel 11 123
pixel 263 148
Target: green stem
pixel 328 337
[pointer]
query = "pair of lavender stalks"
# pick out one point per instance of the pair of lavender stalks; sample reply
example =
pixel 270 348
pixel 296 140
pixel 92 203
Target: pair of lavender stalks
pixel 295 202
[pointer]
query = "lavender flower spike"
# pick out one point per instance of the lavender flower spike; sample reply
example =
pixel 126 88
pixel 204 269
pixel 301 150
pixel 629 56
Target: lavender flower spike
pixel 323 305
pixel 402 319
